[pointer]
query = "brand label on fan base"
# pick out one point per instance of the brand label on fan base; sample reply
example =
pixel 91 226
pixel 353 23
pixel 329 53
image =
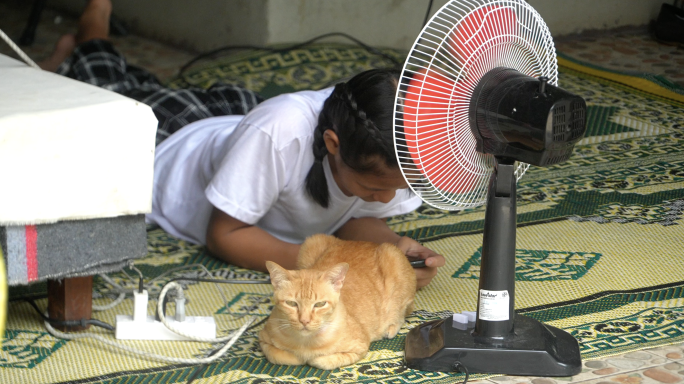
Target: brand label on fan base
pixel 494 305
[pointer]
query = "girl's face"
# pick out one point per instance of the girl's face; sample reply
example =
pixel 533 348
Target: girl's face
pixel 380 185
pixel 370 187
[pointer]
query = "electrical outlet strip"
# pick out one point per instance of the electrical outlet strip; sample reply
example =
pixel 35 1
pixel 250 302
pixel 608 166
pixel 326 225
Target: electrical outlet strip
pixel 151 329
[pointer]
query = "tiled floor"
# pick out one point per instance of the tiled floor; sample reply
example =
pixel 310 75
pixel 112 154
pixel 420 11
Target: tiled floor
pixel 624 50
pixel 657 366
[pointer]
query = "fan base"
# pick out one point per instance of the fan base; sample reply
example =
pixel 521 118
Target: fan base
pixel 532 349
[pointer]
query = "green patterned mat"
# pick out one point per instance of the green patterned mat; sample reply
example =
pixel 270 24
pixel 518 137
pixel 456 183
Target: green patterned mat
pixel 600 242
pixel 273 73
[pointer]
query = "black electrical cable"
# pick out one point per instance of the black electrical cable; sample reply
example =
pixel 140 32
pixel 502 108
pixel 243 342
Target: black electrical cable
pixel 196 373
pixel 70 323
pixel 212 53
pixel 221 281
pixel 200 368
pixel 370 49
pixel 141 285
pixel 458 366
pixel 258 323
pixel 24 298
pixel 427 14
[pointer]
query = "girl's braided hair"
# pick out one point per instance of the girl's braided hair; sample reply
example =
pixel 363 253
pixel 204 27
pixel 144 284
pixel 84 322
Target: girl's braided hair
pixel 360 112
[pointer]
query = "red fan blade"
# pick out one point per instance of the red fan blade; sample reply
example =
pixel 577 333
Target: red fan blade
pixel 481 30
pixel 434 101
pixel 426 128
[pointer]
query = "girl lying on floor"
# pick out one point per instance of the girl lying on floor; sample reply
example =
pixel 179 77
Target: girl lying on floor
pixel 252 180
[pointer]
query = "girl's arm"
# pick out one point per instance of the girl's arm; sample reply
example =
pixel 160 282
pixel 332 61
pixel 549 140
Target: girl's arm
pixel 247 246
pixel 377 231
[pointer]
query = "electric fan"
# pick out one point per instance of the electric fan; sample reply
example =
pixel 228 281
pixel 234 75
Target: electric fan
pixel 477 103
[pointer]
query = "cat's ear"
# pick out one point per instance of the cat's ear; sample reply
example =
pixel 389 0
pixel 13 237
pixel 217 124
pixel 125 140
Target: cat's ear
pixel 336 275
pixel 279 275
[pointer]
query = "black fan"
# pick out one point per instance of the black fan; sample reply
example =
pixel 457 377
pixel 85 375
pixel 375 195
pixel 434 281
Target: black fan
pixel 476 104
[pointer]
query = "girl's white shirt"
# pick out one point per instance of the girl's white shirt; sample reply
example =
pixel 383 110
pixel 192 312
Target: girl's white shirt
pixel 253 168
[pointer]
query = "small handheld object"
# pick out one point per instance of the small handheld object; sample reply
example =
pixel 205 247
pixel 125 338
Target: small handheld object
pixel 416 262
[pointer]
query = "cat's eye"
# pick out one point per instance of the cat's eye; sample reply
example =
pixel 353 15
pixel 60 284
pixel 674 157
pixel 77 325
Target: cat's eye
pixel 291 303
pixel 319 304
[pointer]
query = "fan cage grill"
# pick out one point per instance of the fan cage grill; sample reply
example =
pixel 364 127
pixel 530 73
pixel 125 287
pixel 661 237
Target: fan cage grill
pixel 568 123
pixel 577 120
pixel 461 42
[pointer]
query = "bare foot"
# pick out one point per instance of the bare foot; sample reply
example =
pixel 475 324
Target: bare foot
pixel 94 22
pixel 64 48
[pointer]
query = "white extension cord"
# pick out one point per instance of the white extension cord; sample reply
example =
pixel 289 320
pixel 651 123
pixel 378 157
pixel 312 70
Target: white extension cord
pixel 164 320
pixel 150 355
pixel 141 326
pixel 182 328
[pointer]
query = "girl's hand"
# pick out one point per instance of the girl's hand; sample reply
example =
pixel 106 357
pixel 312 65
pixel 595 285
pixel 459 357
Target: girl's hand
pixel 433 260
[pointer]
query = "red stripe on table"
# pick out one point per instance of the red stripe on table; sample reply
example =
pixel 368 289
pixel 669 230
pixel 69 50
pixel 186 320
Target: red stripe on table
pixel 31 253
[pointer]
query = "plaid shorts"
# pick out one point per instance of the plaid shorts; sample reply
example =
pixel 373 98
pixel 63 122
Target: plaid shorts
pixel 96 62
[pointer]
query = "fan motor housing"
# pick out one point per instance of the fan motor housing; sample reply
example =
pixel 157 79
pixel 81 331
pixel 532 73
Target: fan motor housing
pixel 516 116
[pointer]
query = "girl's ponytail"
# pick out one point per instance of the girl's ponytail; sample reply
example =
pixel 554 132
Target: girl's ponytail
pixel 316 184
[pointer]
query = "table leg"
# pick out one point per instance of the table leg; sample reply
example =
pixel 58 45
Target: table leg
pixel 70 299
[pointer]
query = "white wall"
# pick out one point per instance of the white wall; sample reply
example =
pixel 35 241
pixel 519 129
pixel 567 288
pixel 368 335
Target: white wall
pixel 388 23
pixel 396 23
pixel 200 25
pixel 207 24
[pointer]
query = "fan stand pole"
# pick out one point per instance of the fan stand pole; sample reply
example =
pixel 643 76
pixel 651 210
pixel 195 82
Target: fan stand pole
pixel 501 342
pixel 496 299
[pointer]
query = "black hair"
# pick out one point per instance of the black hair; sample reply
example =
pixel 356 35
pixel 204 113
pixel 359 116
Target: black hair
pixel 360 112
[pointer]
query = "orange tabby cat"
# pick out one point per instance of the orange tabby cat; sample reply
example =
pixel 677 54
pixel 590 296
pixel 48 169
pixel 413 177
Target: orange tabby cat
pixel 345 295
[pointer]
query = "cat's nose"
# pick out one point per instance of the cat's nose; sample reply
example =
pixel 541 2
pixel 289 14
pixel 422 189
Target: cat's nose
pixel 304 322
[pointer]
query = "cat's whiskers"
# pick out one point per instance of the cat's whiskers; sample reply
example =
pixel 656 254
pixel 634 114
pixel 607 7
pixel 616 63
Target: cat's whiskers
pixel 281 323
pixel 283 326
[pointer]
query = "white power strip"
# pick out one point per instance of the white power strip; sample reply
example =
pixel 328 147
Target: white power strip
pixel 150 329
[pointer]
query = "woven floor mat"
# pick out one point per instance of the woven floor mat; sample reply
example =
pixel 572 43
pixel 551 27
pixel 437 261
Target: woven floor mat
pixel 600 249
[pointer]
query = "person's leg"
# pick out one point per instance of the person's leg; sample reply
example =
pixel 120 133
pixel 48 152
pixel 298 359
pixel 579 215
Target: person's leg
pixel 176 108
pixel 88 56
pixel 63 49
pixel 93 24
pixel 95 61
pixel 94 21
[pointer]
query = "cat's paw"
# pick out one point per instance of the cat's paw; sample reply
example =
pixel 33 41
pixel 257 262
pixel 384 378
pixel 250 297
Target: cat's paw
pixel 334 361
pixel 279 356
pixel 392 331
